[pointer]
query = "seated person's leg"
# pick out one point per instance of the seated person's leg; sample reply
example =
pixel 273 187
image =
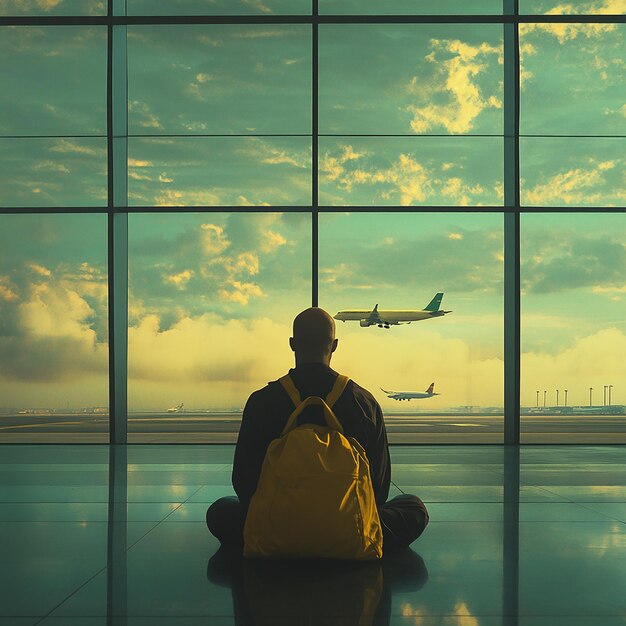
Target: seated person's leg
pixel 403 519
pixel 224 518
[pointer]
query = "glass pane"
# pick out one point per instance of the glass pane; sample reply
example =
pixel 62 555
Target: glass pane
pixel 399 262
pixel 412 171
pixel 212 299
pixel 572 172
pixel 410 79
pixel 573 79
pixel 411 7
pixel 573 328
pixel 53 80
pixel 219 79
pixel 219 7
pixel 53 328
pixel 53 7
pixel 214 171
pixel 580 7
pixel 70 172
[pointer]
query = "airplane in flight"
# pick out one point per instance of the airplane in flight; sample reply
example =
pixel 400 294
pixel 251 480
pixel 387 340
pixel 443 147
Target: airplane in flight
pixel 176 409
pixel 412 395
pixel 385 319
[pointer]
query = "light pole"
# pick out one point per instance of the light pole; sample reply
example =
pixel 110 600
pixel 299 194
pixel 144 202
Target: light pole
pixel 610 387
pixel 557 397
pixel 605 387
pixel 565 397
pixel 537 402
pixel 544 397
pixel 590 390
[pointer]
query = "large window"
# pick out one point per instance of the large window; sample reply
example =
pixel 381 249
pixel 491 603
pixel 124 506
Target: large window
pixel 180 178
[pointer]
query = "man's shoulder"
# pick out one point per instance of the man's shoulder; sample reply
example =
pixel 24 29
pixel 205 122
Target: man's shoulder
pixel 362 394
pixel 270 392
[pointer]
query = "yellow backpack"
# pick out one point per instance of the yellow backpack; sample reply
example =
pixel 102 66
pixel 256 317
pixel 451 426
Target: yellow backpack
pixel 314 498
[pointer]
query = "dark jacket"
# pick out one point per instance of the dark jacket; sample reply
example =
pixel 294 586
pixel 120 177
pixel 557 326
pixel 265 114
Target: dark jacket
pixel 268 409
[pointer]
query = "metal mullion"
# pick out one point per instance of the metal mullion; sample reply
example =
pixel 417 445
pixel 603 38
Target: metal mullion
pixel 307 209
pixel 120 20
pixel 117 131
pixel 110 228
pixel 314 154
pixel 511 228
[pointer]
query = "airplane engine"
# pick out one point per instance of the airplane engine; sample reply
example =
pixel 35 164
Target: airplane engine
pixel 365 323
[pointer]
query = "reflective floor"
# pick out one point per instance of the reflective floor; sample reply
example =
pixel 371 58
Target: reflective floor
pixel 92 536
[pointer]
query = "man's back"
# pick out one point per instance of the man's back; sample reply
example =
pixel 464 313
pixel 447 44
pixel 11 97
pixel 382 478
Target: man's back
pixel 268 409
pixel 402 519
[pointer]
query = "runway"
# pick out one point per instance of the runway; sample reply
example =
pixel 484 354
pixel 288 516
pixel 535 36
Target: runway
pixel 223 428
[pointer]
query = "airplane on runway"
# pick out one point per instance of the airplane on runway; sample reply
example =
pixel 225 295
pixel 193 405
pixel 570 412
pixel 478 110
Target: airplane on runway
pixel 385 319
pixel 411 395
pixel 176 409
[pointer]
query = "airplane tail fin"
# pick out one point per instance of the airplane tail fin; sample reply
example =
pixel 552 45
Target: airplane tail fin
pixel 435 303
pixel 431 389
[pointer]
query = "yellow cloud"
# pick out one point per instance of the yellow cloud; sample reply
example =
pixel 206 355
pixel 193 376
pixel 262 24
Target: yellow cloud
pixel 239 292
pixel 272 241
pixel 230 358
pixel 466 102
pixel 7 291
pixel 214 239
pixel 39 269
pixel 569 31
pixel 139 163
pixel 589 362
pixel 65 146
pixel 575 186
pixel 174 197
pixel 181 279
pixel 408 178
pixel 143 115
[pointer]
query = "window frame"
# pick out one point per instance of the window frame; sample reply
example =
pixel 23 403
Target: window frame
pixel 117 209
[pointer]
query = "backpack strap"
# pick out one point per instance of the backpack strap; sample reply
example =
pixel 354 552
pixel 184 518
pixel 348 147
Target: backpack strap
pixel 290 388
pixel 329 416
pixel 338 388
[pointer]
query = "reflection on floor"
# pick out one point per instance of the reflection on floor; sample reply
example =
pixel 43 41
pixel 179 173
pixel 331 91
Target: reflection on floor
pixel 531 537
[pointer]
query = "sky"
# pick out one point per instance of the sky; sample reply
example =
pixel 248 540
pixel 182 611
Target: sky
pixel 409 115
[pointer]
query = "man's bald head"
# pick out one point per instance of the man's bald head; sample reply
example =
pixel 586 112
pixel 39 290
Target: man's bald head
pixel 313 336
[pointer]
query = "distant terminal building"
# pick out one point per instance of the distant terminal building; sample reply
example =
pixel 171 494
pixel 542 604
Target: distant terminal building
pixel 613 409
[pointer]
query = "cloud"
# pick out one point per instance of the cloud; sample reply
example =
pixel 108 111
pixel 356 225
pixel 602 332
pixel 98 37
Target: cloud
pixel 214 239
pixel 456 260
pixel 458 65
pixel 7 290
pixel 212 361
pixel 66 146
pixel 578 185
pixel 568 32
pixel 556 262
pixel 50 333
pixel 406 181
pixel 140 114
pixel 222 263
pixel 240 293
pixel 275 156
pixel 222 171
pixel 181 279
pixel 589 362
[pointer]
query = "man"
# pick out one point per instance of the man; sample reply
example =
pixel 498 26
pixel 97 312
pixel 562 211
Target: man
pixel 403 518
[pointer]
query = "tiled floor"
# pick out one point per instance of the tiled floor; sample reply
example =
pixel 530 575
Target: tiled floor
pixel 531 537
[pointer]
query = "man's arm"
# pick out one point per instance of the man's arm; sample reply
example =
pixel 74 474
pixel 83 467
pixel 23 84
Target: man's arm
pixel 380 464
pixel 249 453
